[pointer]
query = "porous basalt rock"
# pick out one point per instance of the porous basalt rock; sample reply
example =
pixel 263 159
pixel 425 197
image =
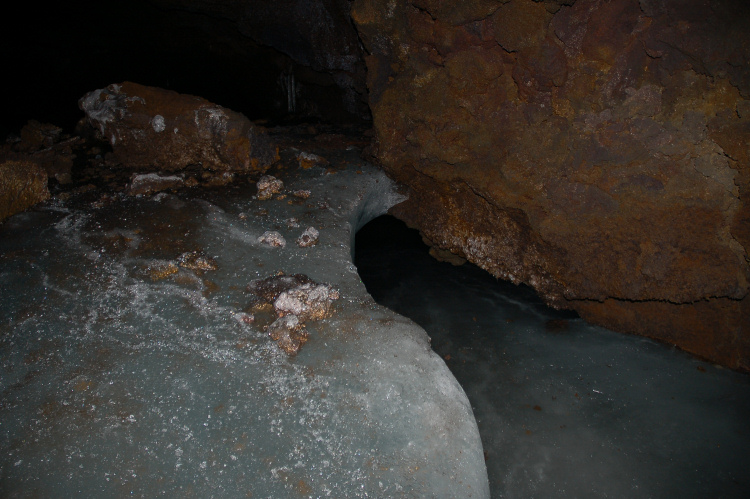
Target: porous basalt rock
pixel 157 129
pixel 296 299
pixel 595 150
pixel 268 185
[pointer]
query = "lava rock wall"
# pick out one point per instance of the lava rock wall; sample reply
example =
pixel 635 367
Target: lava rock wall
pixel 596 150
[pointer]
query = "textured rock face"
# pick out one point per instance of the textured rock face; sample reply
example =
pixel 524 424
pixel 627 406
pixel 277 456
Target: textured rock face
pixel 597 151
pixel 152 128
pixel 22 185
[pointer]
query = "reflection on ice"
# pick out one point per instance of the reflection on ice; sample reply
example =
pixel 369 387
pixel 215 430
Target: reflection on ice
pixel 566 409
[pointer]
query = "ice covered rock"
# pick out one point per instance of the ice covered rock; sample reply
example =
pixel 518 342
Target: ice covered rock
pixel 309 301
pixel 268 185
pixel 308 238
pixel 272 238
pixel 288 333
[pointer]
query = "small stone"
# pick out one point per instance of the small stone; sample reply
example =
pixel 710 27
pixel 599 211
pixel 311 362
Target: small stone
pixel 308 160
pixel 301 193
pixel 308 238
pixel 196 260
pixel 268 185
pixel 292 223
pixel 272 238
pixel 308 302
pixel 288 333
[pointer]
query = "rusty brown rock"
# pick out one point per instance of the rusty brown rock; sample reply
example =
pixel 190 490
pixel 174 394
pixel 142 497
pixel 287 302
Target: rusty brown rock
pixel 595 151
pixel 22 185
pixel 152 128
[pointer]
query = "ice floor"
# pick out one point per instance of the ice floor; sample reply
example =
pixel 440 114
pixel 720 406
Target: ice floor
pixel 566 409
pixel 130 370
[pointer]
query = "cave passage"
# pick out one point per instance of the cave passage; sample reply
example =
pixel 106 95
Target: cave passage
pixel 564 408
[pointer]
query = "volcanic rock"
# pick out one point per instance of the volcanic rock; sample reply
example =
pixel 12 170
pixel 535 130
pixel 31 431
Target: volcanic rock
pixel 595 151
pixel 157 129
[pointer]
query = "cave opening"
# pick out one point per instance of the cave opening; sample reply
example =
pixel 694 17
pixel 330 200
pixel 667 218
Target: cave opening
pixel 564 408
pixel 63 51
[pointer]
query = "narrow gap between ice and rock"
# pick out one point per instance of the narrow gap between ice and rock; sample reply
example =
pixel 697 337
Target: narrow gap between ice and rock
pixel 565 409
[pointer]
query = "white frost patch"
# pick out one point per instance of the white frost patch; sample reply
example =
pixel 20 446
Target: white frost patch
pixel 158 123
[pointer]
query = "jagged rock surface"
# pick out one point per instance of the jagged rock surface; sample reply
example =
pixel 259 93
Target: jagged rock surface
pixel 596 151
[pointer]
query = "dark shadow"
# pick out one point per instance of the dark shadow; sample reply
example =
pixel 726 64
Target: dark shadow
pixel 399 273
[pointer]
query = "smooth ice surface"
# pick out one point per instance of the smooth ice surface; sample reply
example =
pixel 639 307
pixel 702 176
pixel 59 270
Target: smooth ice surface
pixel 125 374
pixel 566 409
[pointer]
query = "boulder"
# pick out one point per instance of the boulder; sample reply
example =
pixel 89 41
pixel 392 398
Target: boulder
pixel 151 128
pixel 22 185
pixel 595 151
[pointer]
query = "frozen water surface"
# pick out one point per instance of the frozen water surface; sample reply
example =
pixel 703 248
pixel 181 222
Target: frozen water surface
pixel 566 409
pixel 126 374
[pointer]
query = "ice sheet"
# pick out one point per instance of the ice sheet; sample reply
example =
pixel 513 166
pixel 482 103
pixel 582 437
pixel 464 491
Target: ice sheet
pixel 566 409
pixel 124 373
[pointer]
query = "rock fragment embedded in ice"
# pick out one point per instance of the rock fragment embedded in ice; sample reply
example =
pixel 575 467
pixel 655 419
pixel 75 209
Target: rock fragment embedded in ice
pixel 308 160
pixel 301 193
pixel 308 302
pixel 308 238
pixel 292 223
pixel 288 333
pixel 272 238
pixel 161 269
pixel 196 260
pixel 268 185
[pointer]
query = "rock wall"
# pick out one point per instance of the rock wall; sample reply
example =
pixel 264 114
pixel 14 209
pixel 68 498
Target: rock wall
pixel 596 150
